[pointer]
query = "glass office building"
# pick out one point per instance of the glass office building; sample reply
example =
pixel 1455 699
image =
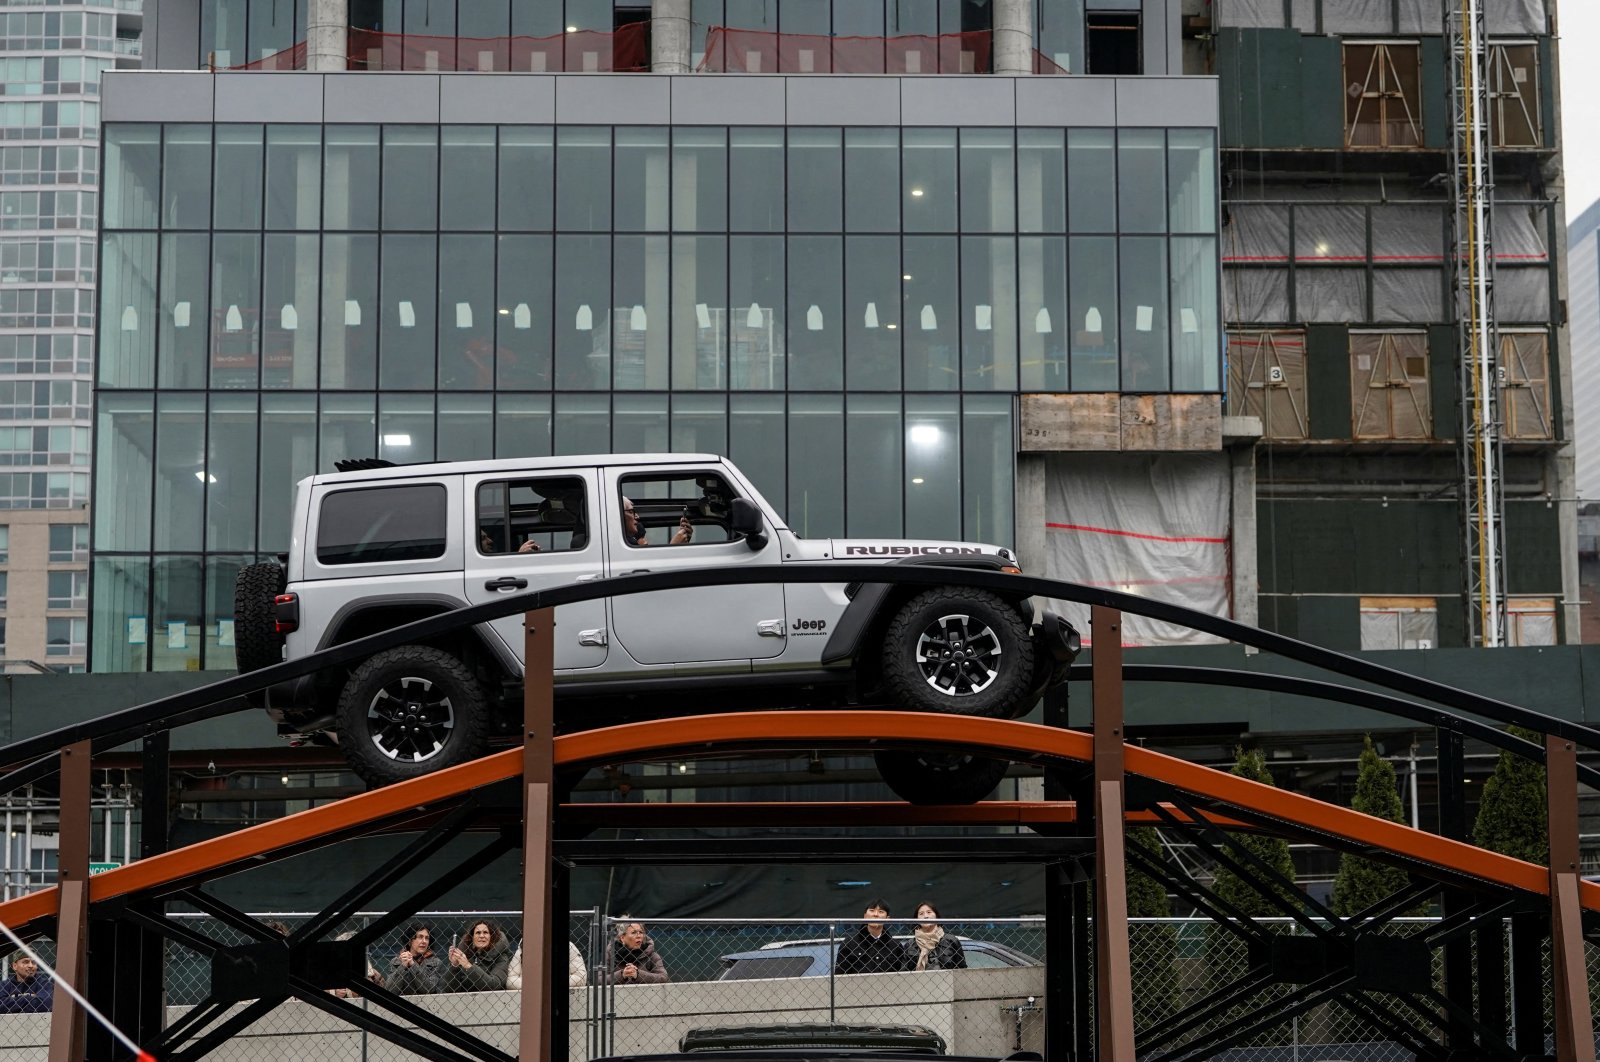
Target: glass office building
pixel 848 311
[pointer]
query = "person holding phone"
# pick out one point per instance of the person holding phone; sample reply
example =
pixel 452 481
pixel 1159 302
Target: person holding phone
pixel 634 533
pixel 479 961
pixel 416 970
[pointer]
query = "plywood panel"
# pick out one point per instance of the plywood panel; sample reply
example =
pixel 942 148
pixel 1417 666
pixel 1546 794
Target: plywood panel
pixel 1168 423
pixel 1062 423
pixel 1108 423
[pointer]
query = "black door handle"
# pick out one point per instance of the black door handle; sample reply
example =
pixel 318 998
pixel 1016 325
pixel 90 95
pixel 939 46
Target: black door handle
pixel 639 571
pixel 506 582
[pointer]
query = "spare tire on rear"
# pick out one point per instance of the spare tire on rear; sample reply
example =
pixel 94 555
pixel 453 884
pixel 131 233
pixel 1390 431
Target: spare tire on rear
pixel 256 641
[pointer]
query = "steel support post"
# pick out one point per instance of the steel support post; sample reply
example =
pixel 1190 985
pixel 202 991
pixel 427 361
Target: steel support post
pixel 1574 1025
pixel 1527 982
pixel 67 1019
pixel 539 1037
pixel 1113 965
pixel 1452 798
pixel 1061 929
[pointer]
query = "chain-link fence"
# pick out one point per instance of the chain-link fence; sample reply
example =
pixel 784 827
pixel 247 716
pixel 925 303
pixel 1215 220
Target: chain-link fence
pixel 721 973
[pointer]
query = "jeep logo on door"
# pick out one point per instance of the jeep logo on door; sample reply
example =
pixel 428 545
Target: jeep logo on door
pixel 908 551
pixel 805 626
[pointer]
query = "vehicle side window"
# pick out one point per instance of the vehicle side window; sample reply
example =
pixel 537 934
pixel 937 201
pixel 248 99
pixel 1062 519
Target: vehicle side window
pixel 978 959
pixel 662 499
pixel 544 515
pixel 375 525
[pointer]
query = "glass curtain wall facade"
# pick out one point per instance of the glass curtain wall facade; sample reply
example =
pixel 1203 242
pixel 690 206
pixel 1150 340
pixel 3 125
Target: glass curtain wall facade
pixel 51 56
pixel 848 313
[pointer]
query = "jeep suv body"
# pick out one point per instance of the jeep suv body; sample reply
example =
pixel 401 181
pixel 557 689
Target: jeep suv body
pixel 384 545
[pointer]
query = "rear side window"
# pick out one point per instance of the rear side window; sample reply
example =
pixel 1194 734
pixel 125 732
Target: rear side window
pixel 382 524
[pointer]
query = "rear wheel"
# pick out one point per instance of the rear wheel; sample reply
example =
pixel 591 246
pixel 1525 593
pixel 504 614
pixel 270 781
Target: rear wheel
pixel 940 777
pixel 409 711
pixel 256 641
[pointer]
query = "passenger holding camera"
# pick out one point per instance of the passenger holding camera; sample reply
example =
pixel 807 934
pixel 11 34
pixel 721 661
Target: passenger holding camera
pixel 634 533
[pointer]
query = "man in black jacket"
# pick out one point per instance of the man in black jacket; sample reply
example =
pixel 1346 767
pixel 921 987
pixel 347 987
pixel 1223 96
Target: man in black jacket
pixel 870 949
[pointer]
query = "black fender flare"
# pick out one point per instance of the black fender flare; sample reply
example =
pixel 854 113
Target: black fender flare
pixel 870 598
pixel 444 603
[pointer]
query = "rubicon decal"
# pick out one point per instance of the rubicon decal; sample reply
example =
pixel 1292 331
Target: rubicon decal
pixel 909 551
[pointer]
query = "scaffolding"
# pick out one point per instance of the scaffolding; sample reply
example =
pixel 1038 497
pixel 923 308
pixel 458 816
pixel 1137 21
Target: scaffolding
pixel 1472 281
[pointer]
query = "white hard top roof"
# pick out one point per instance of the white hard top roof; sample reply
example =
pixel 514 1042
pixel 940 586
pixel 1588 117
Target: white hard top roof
pixel 515 464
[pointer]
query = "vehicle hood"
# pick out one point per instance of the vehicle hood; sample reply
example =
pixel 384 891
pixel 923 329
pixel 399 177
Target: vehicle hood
pixel 867 550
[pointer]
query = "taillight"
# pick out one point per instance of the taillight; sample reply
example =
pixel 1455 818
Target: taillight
pixel 286 612
pixel 1011 569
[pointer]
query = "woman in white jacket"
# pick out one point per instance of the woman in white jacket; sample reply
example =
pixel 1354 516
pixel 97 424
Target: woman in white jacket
pixel 577 972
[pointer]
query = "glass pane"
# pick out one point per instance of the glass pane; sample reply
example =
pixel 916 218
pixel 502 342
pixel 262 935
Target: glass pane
pixel 988 451
pixel 125 426
pixel 639 321
pixel 482 26
pixel 642 179
pixel 522 426
pixel 756 442
pixel 218 635
pixel 1092 180
pixel 871 179
pixel 239 161
pixel 583 313
pixel 816 480
pixel 1195 329
pixel 700 179
pixel 1192 179
pixel 699 424
pixel 127 310
pixel 348 429
pixel 639 424
pixel 756 313
pixel 466 166
pixel 132 176
pixel 289 301
pixel 755 180
pixel 1043 324
pixel 407 327
pixel 405 428
pixel 177 615
pixel 522 319
pixel 231 473
pixel 290 423
pixel 1141 180
pixel 816 180
pixel 349 341
pixel 929 182
pixel 699 312
pixel 1093 306
pixel 933 467
pixel 186 167
pixel 583 178
pixel 989 313
pixel 235 310
pixel 350 175
pixel 988 181
pixel 583 424
pixel 185 318
pixel 181 472
pixel 294 176
pixel 1060 35
pixel 1041 181
pixel 932 314
pixel 121 614
pixel 872 313
pixel 816 324
pixel 466 313
pixel 1144 315
pixel 466 430
pixel 527 172
pixel 872 467
pixel 410 177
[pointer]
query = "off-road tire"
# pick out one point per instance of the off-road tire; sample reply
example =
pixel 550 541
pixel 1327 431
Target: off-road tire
pixel 939 777
pixel 256 641
pixel 990 664
pixel 410 711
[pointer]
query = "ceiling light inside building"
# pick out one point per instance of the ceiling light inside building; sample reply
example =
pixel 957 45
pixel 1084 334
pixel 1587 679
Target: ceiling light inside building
pixel 399 439
pixel 916 193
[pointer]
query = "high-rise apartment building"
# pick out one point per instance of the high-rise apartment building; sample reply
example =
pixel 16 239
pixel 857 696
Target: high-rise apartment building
pixel 1157 291
pixel 53 55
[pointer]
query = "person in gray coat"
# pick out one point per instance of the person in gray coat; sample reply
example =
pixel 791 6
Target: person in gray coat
pixel 416 970
pixel 479 961
pixel 634 959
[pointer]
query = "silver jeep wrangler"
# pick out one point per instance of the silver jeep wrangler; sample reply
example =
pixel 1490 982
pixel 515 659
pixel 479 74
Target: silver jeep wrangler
pixel 379 545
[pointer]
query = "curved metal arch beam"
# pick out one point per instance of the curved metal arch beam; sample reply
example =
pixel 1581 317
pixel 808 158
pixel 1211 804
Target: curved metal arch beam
pixel 701 736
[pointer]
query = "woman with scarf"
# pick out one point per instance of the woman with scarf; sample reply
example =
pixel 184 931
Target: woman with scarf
pixel 930 947
pixel 480 961
pixel 634 959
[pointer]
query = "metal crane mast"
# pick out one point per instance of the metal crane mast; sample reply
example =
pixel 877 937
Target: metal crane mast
pixel 1472 280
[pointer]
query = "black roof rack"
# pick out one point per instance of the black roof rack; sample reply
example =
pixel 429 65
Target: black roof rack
pixel 362 464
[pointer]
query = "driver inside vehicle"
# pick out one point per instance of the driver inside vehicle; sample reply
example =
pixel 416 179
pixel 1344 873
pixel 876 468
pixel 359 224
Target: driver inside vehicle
pixel 633 529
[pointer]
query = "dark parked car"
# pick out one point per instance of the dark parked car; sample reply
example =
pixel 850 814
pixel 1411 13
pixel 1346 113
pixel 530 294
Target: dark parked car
pixel 814 958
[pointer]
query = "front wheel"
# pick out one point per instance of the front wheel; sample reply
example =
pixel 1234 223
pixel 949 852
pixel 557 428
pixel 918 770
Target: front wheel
pixel 409 711
pixel 958 650
pixel 939 777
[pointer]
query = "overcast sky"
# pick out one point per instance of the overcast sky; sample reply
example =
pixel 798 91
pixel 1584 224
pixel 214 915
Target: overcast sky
pixel 1580 94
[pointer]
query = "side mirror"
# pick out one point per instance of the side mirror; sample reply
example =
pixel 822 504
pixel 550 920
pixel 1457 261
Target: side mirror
pixel 746 522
